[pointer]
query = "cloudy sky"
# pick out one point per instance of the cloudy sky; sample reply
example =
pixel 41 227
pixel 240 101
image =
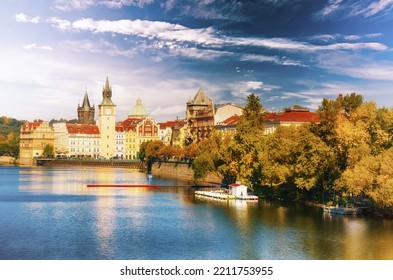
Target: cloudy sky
pixel 163 51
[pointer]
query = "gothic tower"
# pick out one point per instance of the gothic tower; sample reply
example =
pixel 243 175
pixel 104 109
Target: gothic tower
pixel 107 122
pixel 86 112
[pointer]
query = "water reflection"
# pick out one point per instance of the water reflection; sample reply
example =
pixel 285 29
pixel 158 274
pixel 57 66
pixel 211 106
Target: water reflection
pixel 49 213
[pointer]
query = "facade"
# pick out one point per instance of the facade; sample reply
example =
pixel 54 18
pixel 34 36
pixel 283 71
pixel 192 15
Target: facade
pixel 226 111
pixel 86 112
pixel 120 145
pixel 238 190
pixel 294 115
pixel 200 117
pixel 76 140
pixel 166 132
pixel 107 122
pixel 227 126
pixel 62 145
pixel 34 137
pixel 179 132
pixel 83 140
pixel 138 128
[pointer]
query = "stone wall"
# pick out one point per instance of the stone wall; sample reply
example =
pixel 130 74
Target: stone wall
pixel 6 160
pixel 181 171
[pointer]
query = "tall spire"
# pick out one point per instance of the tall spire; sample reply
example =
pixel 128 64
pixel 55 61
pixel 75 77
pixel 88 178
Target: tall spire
pixel 86 102
pixel 107 93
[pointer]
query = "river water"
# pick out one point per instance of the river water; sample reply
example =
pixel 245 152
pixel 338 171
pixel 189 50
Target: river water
pixel 49 213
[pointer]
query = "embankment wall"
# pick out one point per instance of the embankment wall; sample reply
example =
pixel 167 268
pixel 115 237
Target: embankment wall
pixel 181 171
pixel 6 160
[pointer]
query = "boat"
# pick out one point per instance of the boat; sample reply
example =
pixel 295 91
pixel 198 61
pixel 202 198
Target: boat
pixel 341 210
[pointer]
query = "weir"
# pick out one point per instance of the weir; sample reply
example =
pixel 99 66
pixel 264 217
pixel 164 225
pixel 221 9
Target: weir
pixel 132 164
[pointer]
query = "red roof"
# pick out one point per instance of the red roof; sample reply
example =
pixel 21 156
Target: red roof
pixel 119 128
pixel 293 116
pixel 233 120
pixel 82 128
pixel 234 185
pixel 31 126
pixel 130 123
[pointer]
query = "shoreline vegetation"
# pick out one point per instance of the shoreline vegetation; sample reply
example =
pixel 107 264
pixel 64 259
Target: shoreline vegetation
pixel 346 159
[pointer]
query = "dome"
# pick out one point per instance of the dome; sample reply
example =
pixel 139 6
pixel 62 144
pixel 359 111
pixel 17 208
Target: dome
pixel 139 110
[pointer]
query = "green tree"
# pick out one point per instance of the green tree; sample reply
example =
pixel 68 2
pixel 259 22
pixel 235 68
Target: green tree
pixel 48 151
pixel 247 142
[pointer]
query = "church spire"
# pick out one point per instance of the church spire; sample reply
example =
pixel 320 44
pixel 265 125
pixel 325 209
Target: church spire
pixel 107 93
pixel 86 102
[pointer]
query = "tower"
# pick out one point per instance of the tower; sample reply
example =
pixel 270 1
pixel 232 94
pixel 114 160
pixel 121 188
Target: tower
pixel 107 122
pixel 86 112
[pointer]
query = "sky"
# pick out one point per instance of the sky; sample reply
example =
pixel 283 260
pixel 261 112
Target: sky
pixel 164 51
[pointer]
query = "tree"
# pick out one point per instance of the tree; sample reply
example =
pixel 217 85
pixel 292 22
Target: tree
pixel 247 142
pixel 151 150
pixel 48 151
pixel 372 177
pixel 294 156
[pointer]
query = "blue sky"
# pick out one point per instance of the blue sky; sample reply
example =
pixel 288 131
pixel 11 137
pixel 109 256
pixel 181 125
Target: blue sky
pixel 163 51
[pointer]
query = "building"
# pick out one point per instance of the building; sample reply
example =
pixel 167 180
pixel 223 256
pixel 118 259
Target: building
pixel 228 126
pixel 179 132
pixel 226 111
pixel 166 132
pixel 200 117
pixel 120 145
pixel 76 140
pixel 138 128
pixel 294 115
pixel 83 140
pixel 86 112
pixel 107 122
pixel 34 137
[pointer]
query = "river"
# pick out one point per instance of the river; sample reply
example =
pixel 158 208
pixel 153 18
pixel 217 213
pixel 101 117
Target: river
pixel 48 213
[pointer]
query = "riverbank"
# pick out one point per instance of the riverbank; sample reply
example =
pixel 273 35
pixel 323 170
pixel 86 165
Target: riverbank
pixel 5 160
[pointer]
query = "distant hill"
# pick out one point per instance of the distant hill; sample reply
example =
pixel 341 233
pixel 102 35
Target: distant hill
pixel 9 125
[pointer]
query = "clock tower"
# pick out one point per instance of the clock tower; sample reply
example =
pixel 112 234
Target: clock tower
pixel 107 122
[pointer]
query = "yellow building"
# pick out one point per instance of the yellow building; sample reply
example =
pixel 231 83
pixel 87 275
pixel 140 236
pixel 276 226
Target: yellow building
pixel 34 137
pixel 107 122
pixel 139 128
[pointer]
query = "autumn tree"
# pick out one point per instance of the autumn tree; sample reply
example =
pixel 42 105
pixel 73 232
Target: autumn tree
pixel 247 142
pixel 372 177
pixel 294 156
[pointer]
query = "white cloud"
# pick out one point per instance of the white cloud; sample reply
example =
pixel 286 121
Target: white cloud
pixel 376 7
pixel 69 5
pixel 350 8
pixel 21 17
pixel 357 66
pixel 333 6
pixel 244 88
pixel 34 46
pixel 207 37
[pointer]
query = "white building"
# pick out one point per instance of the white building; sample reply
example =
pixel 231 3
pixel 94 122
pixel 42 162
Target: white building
pixel 238 190
pixel 226 111
pixel 120 144
pixel 77 140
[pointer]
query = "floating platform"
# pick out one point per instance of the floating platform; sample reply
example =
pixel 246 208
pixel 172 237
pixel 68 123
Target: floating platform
pixel 215 194
pixel 248 197
pixel 121 186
